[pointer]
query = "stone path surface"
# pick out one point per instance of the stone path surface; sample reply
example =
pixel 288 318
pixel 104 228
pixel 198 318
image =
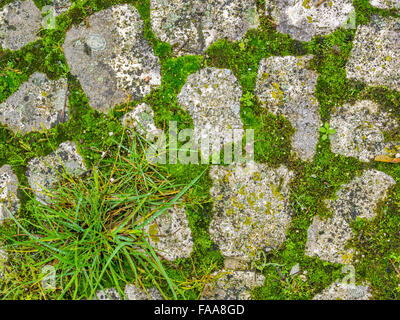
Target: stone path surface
pixel 44 172
pixel 286 85
pixel 119 54
pixel 251 211
pixel 376 53
pixel 359 130
pixel 385 4
pixel 19 23
pixel 232 285
pixel 340 291
pixel 170 234
pixel 9 201
pixel 38 104
pixel 327 238
pixel 111 58
pixel 305 19
pixel 212 98
pixel 192 26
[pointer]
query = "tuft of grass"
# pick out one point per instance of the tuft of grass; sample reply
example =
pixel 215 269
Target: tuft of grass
pixel 93 232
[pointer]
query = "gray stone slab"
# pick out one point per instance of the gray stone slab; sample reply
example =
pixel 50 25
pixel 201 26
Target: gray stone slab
pixel 9 201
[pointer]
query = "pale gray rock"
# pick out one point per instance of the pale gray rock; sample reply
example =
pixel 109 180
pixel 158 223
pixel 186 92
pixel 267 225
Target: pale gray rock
pixel 38 103
pixel 327 238
pixel 212 98
pixel 111 57
pixel 232 285
pixel 141 119
pixel 375 56
pixel 295 269
pixel 251 210
pixel 3 260
pixel 359 130
pixel 9 201
pixel 61 6
pixel 43 173
pixel 170 234
pixel 192 26
pixel 342 291
pixel 385 4
pixel 131 292
pixel 305 19
pixel 286 86
pixel 19 23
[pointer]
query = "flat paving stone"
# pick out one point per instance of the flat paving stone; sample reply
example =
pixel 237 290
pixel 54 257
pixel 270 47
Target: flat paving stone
pixel 341 291
pixel 251 210
pixel 232 285
pixel 327 238
pixel 141 119
pixel 19 23
pixel 3 260
pixel 212 98
pixel 111 57
pixel 9 201
pixel 303 20
pixel 375 56
pixel 43 173
pixel 359 130
pixel 38 103
pixel 286 86
pixel 385 4
pixel 170 234
pixel 132 292
pixel 192 26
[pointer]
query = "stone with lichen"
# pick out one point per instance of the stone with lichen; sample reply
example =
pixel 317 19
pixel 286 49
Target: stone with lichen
pixel 20 22
pixel 39 103
pixel 192 26
pixel 327 238
pixel 212 98
pixel 170 234
pixel 44 173
pixel 111 57
pixel 375 56
pixel 286 86
pixel 342 291
pixel 141 119
pixel 251 211
pixel 359 130
pixel 232 285
pixel 385 4
pixel 131 292
pixel 9 201
pixel 305 19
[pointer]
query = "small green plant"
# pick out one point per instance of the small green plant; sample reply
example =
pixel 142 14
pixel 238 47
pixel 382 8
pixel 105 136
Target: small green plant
pixel 247 99
pixel 326 130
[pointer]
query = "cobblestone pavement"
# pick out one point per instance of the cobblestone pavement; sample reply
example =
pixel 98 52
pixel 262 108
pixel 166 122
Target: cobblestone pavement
pixel 306 76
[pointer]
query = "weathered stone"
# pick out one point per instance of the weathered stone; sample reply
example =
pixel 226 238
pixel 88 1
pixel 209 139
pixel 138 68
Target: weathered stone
pixel 327 238
pixel 341 291
pixel 132 292
pixel 359 129
pixel 19 23
pixel 303 20
pixel 142 120
pixel 192 26
pixel 170 234
pixel 285 85
pixel 43 173
pixel 9 201
pixel 375 56
pixel 3 260
pixel 295 269
pixel 111 57
pixel 38 103
pixel 385 4
pixel 251 210
pixel 232 285
pixel 61 6
pixel 212 98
